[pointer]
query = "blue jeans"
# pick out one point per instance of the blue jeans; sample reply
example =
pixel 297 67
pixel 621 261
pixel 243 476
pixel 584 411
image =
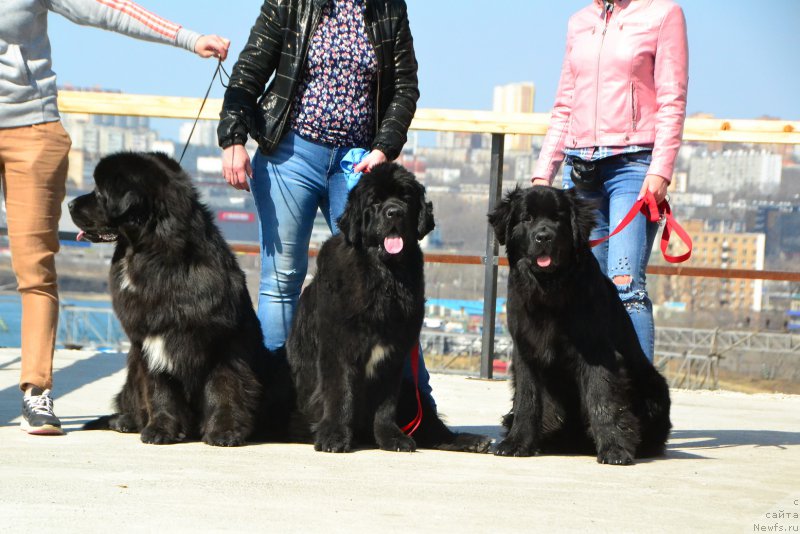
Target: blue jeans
pixel 627 253
pixel 289 185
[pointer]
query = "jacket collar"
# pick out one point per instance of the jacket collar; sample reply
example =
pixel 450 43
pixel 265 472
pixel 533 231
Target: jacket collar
pixel 321 3
pixel 618 5
pixel 622 4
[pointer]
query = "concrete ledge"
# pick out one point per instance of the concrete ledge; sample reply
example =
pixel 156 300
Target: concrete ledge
pixel 732 466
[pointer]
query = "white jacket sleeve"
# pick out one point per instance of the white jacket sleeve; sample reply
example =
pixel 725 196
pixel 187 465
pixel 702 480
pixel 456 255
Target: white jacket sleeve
pixel 127 18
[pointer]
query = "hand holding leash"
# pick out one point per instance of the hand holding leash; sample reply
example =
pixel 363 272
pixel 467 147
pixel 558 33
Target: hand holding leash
pixel 657 185
pixel 212 45
pixel 236 167
pixel 653 210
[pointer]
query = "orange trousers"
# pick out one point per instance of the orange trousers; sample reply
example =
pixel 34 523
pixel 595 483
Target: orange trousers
pixel 33 167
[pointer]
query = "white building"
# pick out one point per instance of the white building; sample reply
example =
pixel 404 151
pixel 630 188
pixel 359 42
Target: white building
pixel 515 98
pixel 734 170
pixel 205 133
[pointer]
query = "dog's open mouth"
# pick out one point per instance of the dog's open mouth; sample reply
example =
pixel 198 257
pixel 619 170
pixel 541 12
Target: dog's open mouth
pixel 96 237
pixel 544 261
pixel 393 244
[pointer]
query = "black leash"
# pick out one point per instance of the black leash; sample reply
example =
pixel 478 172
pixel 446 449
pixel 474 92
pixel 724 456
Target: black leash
pixel 208 91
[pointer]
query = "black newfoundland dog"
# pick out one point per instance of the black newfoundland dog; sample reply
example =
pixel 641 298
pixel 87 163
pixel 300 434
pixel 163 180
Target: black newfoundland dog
pixel 197 366
pixel 581 381
pixel 359 319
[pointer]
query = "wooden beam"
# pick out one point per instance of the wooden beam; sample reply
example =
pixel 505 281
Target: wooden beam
pixel 166 107
pixel 456 120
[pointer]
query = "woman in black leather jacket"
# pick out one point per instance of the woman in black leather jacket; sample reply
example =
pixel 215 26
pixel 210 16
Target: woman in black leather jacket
pixel 316 80
pixel 279 45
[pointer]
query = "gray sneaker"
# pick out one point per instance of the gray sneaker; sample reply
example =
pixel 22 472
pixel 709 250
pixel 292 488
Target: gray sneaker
pixel 37 413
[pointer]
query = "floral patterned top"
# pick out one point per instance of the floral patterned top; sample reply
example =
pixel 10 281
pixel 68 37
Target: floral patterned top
pixel 335 102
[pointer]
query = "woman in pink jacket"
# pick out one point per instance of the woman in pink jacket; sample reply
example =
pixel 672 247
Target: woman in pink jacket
pixel 618 120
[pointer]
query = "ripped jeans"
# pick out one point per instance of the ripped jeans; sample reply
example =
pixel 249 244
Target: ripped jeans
pixel 624 257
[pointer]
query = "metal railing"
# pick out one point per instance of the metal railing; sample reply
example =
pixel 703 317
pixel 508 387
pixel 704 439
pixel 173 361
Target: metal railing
pixel 498 125
pixel 700 353
pixel 92 327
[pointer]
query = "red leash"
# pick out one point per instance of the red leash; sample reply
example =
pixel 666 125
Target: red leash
pixel 653 210
pixel 411 427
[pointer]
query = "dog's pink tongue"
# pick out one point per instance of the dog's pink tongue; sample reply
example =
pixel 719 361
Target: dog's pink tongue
pixel 80 235
pixel 543 261
pixel 393 245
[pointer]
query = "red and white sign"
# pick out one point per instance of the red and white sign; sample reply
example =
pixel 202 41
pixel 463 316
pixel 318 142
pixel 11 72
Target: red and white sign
pixel 236 216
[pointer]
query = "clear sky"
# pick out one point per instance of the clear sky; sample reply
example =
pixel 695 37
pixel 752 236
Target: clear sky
pixel 744 55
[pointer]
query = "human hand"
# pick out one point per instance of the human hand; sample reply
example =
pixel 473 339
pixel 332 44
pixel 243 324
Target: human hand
pixel 539 181
pixel 370 160
pixel 212 45
pixel 655 184
pixel 236 167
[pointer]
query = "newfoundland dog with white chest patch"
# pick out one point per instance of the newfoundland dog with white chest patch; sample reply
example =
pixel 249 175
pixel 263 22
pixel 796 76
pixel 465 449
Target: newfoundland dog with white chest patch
pixel 197 366
pixel 582 383
pixel 359 320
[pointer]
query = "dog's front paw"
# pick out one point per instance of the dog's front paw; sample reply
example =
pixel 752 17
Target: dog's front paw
pixel 400 443
pixel 615 455
pixel 224 438
pixel 156 435
pixel 333 439
pixel 512 447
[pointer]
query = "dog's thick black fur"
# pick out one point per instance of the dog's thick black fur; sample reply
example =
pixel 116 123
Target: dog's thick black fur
pixel 581 381
pixel 359 319
pixel 197 366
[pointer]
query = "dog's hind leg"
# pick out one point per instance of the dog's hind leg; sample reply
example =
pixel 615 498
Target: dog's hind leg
pixel 231 398
pixel 652 409
pixel 432 432
pixel 119 422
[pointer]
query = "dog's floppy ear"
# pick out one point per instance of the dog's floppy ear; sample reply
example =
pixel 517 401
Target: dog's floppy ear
pixel 126 208
pixel 425 222
pixel 500 217
pixel 582 217
pixel 351 221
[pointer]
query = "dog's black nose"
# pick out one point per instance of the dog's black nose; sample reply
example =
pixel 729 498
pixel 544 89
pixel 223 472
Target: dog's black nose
pixel 394 212
pixel 543 237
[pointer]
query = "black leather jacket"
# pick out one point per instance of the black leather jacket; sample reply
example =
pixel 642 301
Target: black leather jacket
pixel 277 49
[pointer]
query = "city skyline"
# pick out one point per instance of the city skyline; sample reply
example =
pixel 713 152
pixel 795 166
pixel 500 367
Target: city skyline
pixel 739 56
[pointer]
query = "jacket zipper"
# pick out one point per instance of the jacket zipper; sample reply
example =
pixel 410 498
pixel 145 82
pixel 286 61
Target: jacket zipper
pixel 368 25
pixel 314 25
pixel 633 106
pixel 608 9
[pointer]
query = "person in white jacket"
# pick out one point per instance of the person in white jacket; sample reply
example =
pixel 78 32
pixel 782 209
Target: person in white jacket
pixel 33 164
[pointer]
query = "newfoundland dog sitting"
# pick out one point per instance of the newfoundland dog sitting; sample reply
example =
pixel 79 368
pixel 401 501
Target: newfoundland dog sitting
pixel 197 365
pixel 359 320
pixel 581 381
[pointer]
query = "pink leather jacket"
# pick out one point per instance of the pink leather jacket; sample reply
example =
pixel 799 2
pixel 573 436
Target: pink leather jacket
pixel 623 83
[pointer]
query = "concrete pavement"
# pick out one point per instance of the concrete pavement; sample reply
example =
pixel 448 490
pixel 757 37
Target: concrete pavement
pixel 733 466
